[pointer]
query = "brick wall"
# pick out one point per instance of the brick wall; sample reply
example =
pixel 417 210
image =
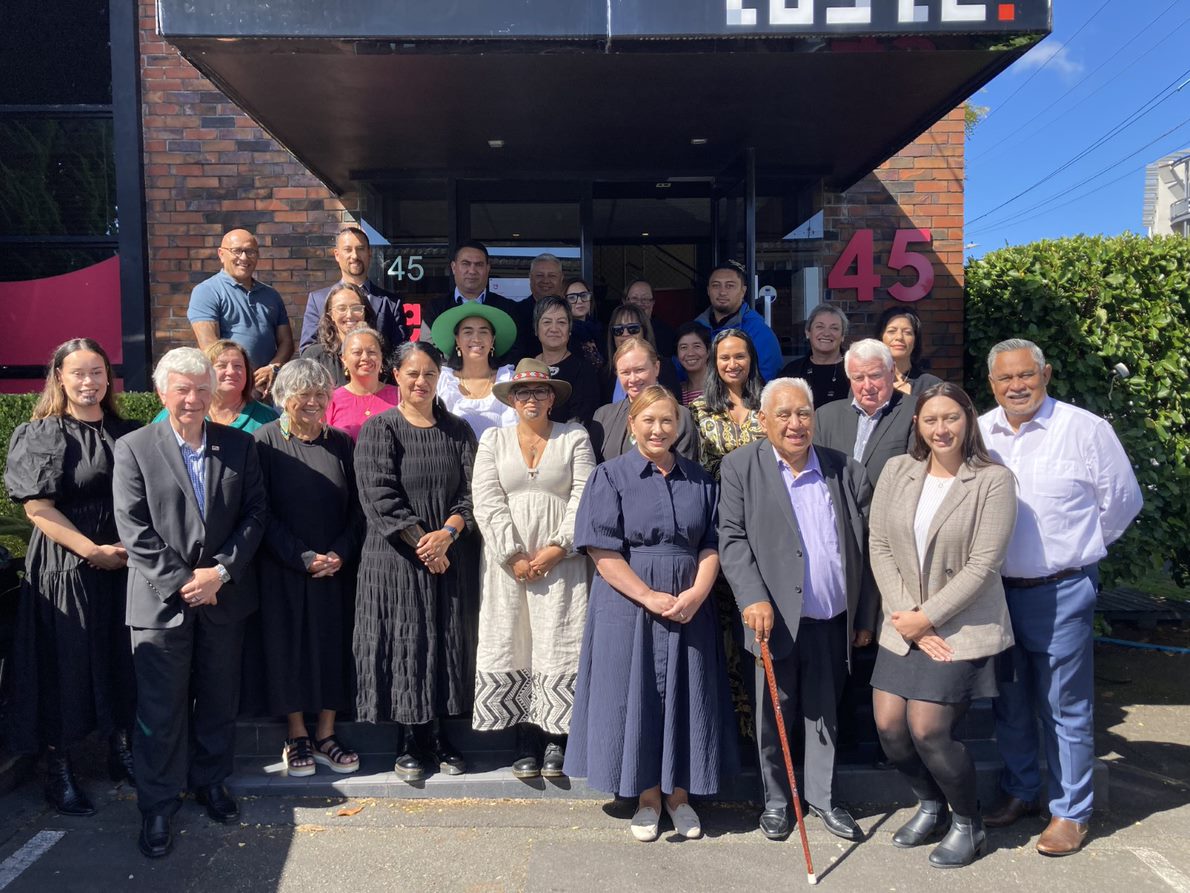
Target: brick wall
pixel 209 168
pixel 919 188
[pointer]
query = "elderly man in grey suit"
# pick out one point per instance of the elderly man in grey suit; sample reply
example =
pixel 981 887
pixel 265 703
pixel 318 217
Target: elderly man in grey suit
pixel 190 509
pixel 877 423
pixel 792 520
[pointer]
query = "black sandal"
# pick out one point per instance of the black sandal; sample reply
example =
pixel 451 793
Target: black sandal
pixel 298 757
pixel 331 753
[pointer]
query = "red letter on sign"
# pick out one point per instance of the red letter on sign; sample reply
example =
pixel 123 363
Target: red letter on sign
pixel 413 321
pixel 899 258
pixel 859 251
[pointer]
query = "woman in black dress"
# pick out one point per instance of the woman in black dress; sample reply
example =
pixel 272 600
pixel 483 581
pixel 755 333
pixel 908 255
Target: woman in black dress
pixel 306 567
pixel 417 596
pixel 72 666
pixel 552 323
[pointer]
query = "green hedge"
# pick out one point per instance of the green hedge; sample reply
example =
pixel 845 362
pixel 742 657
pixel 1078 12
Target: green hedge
pixel 15 409
pixel 1090 303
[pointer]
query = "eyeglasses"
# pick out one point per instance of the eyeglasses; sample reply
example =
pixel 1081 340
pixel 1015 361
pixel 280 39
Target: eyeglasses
pixel 241 252
pixel 524 395
pixel 632 328
pixel 577 297
pixel 353 309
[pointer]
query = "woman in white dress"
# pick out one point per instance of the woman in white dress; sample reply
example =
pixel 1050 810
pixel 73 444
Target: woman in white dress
pixel 526 487
pixel 471 335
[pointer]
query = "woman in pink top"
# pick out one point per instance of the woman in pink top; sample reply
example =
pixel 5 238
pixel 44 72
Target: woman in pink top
pixel 364 395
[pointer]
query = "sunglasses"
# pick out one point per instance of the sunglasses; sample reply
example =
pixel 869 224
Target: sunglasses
pixel 631 328
pixel 523 395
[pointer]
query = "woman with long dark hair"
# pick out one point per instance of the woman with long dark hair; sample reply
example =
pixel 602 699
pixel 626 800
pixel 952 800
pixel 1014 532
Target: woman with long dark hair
pixel 72 663
pixel 347 308
pixel 586 336
pixel 942 518
pixel 899 328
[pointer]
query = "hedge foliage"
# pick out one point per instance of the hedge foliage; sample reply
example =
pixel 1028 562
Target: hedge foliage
pixel 1090 303
pixel 15 409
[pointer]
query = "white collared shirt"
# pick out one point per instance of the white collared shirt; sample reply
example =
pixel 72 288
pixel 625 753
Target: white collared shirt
pixel 1076 490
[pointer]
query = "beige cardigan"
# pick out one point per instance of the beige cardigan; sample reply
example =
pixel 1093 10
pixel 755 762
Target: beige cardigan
pixel 958 586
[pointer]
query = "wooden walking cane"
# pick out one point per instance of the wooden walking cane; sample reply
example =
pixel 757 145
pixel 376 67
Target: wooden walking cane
pixel 797 800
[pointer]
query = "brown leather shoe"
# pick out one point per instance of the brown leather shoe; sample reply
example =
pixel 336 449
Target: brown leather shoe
pixel 1062 838
pixel 1009 810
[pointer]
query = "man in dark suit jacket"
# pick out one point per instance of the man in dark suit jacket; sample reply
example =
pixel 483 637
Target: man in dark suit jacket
pixel 353 254
pixel 792 521
pixel 190 508
pixel 470 268
pixel 877 423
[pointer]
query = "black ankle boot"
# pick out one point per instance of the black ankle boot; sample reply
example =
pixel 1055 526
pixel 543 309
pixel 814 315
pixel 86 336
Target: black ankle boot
pixel 119 758
pixel 931 820
pixel 963 844
pixel 527 763
pixel 410 764
pixel 61 789
pixel 554 757
pixel 441 751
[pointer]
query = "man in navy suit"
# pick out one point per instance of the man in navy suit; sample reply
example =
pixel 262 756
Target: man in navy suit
pixel 190 508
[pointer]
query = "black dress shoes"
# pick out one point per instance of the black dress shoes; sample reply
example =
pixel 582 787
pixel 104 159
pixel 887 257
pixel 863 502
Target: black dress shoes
pixel 774 823
pixel 221 807
pixel 411 763
pixel 554 759
pixel 1010 810
pixel 61 788
pixel 931 820
pixel 119 758
pixel 838 822
pixel 156 836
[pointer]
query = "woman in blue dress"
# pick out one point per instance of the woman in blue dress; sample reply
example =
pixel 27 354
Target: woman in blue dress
pixel 652 714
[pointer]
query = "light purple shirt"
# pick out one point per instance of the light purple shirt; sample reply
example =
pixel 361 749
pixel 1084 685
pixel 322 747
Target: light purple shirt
pixel 824 590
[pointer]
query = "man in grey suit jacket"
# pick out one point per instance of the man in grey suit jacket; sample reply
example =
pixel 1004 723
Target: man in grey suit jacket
pixel 792 521
pixel 190 509
pixel 877 423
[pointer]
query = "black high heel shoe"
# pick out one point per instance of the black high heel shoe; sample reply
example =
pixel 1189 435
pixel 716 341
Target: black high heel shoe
pixel 61 787
pixel 119 758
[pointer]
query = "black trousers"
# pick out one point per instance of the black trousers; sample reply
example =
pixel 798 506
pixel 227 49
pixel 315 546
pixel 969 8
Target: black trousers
pixel 809 683
pixel 188 695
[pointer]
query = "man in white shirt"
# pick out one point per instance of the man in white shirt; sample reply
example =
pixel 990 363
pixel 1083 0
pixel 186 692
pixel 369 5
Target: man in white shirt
pixel 1077 495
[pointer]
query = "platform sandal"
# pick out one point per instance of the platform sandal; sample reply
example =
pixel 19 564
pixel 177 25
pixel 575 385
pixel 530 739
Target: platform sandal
pixel 298 757
pixel 331 753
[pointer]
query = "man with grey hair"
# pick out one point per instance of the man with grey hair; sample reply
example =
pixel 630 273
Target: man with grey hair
pixel 190 509
pixel 1077 494
pixel 545 279
pixel 792 536
pixel 877 423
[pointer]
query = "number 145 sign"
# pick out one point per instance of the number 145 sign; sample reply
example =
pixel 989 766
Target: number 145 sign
pixel 860 254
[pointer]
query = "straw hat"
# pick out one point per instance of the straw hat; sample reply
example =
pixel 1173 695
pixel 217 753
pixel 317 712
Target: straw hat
pixel 531 371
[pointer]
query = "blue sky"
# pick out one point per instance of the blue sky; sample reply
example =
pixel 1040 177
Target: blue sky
pixel 1073 123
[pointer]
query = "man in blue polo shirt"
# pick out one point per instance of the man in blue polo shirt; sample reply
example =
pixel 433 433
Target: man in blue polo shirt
pixel 726 289
pixel 232 304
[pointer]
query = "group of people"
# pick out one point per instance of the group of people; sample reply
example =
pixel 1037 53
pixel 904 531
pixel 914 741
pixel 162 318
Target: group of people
pixel 568 545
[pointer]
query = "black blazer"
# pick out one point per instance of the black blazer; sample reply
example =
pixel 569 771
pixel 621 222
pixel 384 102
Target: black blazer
pixel 166 536
pixel 836 424
pixel 760 544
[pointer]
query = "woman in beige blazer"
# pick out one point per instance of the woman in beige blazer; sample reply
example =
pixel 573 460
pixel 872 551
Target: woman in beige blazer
pixel 941 520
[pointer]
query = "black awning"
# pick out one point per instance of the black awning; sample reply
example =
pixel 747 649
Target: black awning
pixel 637 87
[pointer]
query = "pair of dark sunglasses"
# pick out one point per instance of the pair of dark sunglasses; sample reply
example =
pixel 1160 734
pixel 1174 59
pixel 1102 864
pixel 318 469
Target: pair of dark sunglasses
pixel 631 328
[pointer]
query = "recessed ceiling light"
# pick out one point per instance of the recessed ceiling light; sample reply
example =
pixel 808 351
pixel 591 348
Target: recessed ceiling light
pixel 644 234
pixel 516 235
pixel 664 185
pixel 698 141
pixel 496 144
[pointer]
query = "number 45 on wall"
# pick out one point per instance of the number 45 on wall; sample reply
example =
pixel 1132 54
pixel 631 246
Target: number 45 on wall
pixel 860 253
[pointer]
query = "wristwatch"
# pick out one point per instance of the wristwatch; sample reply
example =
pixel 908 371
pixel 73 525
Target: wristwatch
pixel 276 368
pixel 454 534
pixel 224 576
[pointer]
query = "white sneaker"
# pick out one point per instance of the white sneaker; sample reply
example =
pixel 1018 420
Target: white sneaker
pixel 644 824
pixel 685 820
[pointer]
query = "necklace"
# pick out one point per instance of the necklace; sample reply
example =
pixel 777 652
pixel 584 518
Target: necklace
pixel 230 414
pixel 534 445
pixel 477 392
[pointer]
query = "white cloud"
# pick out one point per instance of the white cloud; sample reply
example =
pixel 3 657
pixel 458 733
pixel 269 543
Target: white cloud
pixel 1055 56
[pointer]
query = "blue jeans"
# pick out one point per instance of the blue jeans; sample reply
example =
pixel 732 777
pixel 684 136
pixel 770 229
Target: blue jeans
pixel 1054 680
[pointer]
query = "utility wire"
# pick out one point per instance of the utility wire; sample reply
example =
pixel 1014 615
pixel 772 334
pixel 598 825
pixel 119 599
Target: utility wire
pixel 1016 216
pixel 1144 30
pixel 1049 59
pixel 1147 107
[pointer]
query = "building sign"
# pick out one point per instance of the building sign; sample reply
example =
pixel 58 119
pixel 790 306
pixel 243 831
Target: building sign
pixel 856 266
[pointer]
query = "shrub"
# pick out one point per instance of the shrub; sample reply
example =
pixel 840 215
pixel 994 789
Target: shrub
pixel 17 408
pixel 1090 303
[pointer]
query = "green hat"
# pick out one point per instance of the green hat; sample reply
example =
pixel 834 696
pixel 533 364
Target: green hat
pixel 442 332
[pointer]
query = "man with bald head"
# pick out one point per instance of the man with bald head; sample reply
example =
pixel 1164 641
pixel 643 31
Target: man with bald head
pixel 233 304
pixel 792 535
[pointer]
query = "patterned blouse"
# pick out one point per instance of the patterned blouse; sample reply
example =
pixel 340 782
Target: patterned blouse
pixel 718 434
